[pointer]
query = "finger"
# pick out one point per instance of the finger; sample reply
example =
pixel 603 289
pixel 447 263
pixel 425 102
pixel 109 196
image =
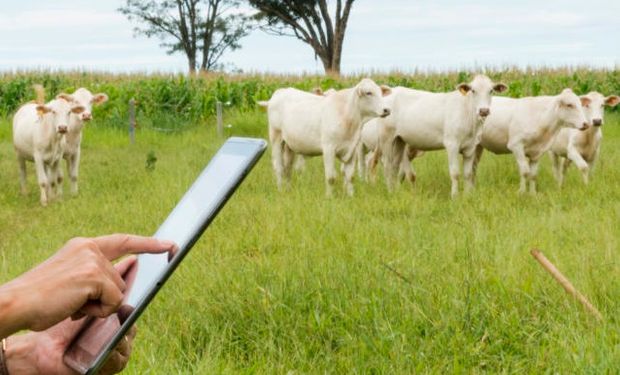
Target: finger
pixel 115 363
pixel 115 245
pixel 126 344
pixel 106 302
pixel 124 265
pixel 131 334
pixel 123 312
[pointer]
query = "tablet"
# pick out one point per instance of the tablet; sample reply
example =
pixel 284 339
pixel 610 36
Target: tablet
pixel 187 221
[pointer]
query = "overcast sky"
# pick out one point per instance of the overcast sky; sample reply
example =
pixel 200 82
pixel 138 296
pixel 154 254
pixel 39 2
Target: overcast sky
pixel 382 35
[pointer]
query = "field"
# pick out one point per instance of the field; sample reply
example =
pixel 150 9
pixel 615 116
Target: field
pixel 293 282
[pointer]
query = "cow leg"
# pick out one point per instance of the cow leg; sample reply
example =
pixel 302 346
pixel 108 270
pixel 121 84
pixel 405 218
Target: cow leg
pixel 533 175
pixel 21 162
pixel 469 158
pixel 329 158
pixel 57 177
pixel 557 168
pixel 300 163
pixel 592 162
pixel 73 165
pixel 581 164
pixel 477 157
pixel 453 165
pixel 42 178
pixel 404 169
pixel 394 161
pixel 349 173
pixel 288 159
pixel 409 171
pixel 359 159
pixel 276 154
pixel 523 163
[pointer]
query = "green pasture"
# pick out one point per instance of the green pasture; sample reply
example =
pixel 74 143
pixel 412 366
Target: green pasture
pixel 295 283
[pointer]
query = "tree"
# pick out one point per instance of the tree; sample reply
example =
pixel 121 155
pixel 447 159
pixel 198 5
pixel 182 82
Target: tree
pixel 310 22
pixel 202 29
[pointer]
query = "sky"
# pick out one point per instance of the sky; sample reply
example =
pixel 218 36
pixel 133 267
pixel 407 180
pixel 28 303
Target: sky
pixel 382 35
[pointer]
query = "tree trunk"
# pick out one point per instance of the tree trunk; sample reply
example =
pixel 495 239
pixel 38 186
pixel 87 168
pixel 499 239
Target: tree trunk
pixel 192 65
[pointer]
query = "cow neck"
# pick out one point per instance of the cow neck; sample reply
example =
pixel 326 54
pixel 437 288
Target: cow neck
pixel 352 117
pixel 590 133
pixel 48 127
pixel 549 121
pixel 75 130
pixel 467 106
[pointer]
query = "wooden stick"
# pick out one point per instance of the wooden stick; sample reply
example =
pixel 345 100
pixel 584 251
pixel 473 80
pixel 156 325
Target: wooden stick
pixel 570 289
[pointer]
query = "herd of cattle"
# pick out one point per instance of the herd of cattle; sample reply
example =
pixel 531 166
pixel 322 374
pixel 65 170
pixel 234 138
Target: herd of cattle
pixel 361 126
pixel 368 124
pixel 48 132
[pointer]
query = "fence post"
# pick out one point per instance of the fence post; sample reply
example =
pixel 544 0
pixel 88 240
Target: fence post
pixel 220 120
pixel 132 120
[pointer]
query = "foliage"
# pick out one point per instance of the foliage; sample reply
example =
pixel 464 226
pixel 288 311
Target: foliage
pixel 175 101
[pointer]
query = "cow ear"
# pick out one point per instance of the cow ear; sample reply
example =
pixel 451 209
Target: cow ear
pixel 612 100
pixel 99 99
pixel 585 101
pixel 500 87
pixel 77 109
pixel 385 90
pixel 43 109
pixel 463 88
pixel 65 97
pixel 317 91
pixel 360 92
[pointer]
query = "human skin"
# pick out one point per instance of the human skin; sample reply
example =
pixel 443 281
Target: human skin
pixel 79 280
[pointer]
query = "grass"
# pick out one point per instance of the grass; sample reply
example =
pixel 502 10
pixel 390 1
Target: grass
pixel 410 282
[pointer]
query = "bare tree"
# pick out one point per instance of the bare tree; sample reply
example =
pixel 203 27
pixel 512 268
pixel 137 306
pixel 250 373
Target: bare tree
pixel 310 22
pixel 202 29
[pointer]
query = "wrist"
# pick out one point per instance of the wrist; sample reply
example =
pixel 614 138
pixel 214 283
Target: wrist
pixel 19 355
pixel 13 316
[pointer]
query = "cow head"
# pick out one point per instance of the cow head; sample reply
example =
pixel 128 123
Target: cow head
pixel 569 109
pixel 59 110
pixel 594 106
pixel 371 98
pixel 481 90
pixel 86 99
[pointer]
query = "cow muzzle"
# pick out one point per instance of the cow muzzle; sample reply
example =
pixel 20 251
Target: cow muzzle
pixel 484 112
pixel 62 129
pixel 87 117
pixel 584 126
pixel 597 122
pixel 386 112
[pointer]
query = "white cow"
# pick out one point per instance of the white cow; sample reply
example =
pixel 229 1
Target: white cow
pixel 431 121
pixel 72 140
pixel 526 127
pixel 374 146
pixel 582 147
pixel 311 125
pixel 37 133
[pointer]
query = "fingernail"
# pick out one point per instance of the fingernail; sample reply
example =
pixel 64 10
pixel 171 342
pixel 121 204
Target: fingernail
pixel 124 312
pixel 167 243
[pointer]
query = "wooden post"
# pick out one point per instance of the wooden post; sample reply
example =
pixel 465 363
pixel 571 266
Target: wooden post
pixel 220 120
pixel 570 289
pixel 132 120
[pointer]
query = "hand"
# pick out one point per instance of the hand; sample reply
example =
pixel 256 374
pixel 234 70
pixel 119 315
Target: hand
pixel 42 352
pixel 78 280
